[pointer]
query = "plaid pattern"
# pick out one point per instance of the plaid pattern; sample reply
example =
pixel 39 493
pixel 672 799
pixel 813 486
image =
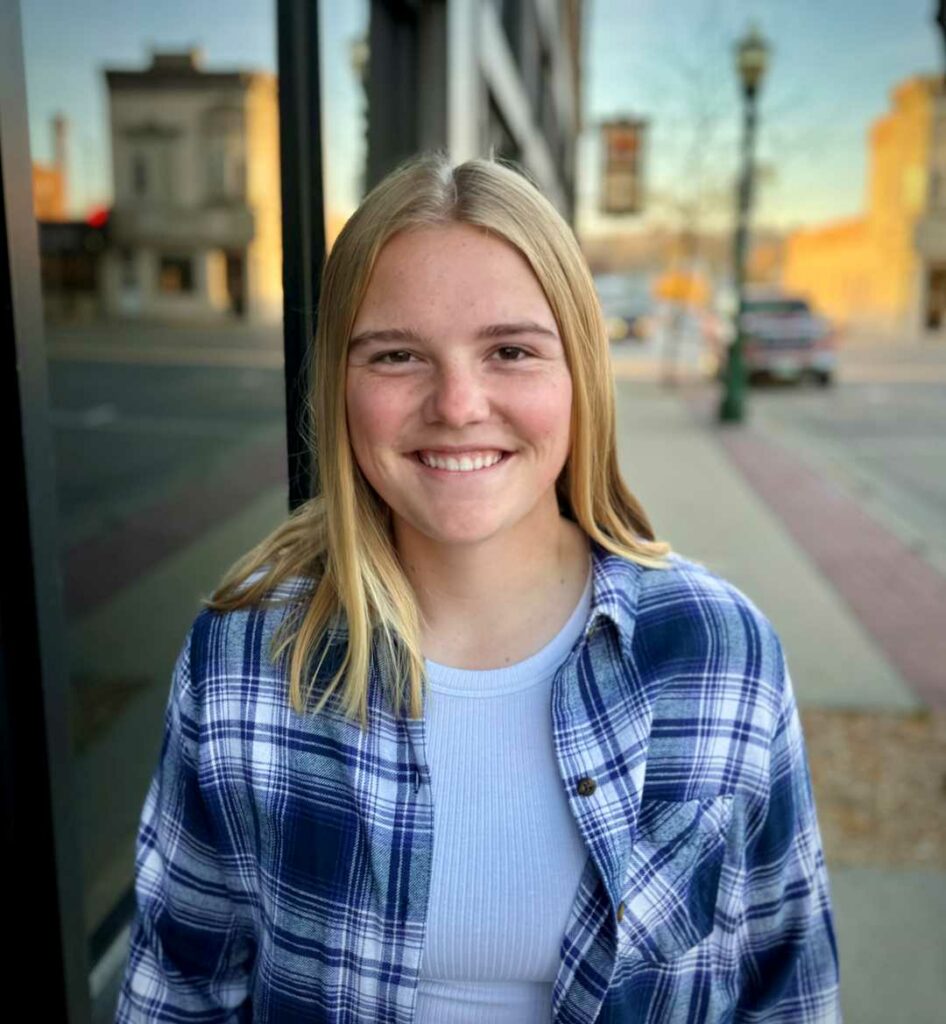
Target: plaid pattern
pixel 283 862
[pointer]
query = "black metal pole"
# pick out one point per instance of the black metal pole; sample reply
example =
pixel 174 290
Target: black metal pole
pixel 303 223
pixel 732 409
pixel 940 19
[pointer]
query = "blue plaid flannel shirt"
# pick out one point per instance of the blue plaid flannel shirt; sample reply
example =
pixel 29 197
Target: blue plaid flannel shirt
pixel 283 861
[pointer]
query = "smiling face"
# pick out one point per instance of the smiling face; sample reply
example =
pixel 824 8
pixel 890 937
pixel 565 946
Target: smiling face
pixel 458 393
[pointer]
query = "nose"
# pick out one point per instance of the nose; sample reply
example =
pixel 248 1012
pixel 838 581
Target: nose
pixel 457 397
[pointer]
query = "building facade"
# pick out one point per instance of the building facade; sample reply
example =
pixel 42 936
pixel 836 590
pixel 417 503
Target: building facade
pixel 195 227
pixel 873 271
pixel 50 194
pixel 477 77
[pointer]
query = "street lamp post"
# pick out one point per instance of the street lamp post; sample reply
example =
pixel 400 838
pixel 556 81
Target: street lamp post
pixel 752 54
pixel 940 19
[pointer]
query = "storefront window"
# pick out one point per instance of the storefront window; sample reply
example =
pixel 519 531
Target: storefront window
pixel 163 328
pixel 344 60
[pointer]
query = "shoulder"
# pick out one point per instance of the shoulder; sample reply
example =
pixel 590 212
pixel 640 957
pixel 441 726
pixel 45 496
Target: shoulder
pixel 689 614
pixel 231 652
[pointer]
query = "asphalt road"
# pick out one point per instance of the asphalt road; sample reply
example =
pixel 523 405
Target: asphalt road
pixel 138 415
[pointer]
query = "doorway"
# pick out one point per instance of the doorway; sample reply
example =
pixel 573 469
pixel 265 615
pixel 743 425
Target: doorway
pixel 936 296
pixel 236 283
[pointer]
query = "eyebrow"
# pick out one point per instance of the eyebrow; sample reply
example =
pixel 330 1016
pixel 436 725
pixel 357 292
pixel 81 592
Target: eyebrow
pixel 405 334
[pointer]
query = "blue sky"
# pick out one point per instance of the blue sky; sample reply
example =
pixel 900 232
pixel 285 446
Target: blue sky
pixel 833 65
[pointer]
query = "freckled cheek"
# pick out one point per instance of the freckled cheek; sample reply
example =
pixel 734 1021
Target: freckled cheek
pixel 376 415
pixel 544 414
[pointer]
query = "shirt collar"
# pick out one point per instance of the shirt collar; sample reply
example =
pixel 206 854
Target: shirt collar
pixel 615 587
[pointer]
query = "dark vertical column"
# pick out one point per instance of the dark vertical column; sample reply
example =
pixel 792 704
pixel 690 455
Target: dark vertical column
pixel 432 75
pixel 939 19
pixel 43 912
pixel 393 105
pixel 303 221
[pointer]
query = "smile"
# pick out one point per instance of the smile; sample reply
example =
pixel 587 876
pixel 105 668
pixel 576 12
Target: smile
pixel 468 462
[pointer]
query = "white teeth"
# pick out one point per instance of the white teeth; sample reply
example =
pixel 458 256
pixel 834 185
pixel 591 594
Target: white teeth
pixel 464 464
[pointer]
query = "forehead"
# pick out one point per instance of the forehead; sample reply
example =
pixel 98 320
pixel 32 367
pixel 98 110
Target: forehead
pixel 452 270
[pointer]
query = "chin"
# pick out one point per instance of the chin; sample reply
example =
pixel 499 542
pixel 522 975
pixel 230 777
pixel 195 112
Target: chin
pixel 460 538
pixel 459 534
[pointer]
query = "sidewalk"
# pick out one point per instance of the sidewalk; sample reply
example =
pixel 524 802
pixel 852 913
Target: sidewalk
pixel 735 501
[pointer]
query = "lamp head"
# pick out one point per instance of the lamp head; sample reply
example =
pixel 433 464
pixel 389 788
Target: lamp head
pixel 752 57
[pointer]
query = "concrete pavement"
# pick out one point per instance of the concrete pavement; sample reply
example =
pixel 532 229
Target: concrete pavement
pixel 730 498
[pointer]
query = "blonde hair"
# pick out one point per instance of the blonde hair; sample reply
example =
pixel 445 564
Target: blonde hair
pixel 341 539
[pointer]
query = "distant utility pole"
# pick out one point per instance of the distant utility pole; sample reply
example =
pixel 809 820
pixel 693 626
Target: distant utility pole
pixel 940 20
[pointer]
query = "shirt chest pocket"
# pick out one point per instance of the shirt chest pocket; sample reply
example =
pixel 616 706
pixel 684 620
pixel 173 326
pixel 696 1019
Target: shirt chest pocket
pixel 672 878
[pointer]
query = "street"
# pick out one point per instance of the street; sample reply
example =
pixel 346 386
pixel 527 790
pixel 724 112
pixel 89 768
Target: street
pixel 138 417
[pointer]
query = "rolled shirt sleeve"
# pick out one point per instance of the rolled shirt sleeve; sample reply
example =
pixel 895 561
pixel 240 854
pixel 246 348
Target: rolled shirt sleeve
pixel 188 958
pixel 790 969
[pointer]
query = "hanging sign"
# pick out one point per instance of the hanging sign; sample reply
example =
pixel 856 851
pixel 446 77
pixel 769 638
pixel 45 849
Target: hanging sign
pixel 622 166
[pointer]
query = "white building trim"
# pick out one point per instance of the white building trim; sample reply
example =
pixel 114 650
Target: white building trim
pixel 501 75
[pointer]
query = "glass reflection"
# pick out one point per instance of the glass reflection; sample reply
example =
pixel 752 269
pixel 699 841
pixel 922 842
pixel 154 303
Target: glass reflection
pixel 156 193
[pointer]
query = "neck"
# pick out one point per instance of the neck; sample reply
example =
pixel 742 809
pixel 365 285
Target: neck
pixel 500 588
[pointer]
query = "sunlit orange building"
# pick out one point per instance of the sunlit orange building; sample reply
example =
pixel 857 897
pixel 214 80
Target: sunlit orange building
pixel 49 192
pixel 868 271
pixel 49 180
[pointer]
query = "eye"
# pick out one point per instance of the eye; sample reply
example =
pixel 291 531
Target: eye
pixel 511 354
pixel 395 357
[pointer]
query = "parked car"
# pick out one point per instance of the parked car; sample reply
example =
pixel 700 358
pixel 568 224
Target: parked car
pixel 631 324
pixel 783 339
pixel 627 304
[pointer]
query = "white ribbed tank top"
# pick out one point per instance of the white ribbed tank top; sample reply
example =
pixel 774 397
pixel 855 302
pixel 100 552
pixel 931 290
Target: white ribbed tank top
pixel 507 854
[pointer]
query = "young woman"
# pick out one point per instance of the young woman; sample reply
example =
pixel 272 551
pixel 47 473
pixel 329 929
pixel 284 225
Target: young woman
pixel 461 741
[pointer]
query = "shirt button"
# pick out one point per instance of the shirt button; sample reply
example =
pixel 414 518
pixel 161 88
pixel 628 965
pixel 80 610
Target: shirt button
pixel 586 786
pixel 620 912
